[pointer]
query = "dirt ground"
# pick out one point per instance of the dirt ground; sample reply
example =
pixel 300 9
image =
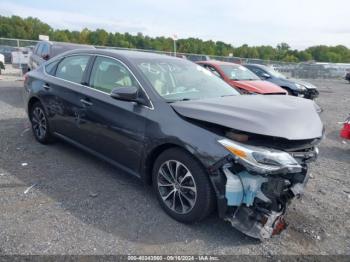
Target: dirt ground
pixel 59 200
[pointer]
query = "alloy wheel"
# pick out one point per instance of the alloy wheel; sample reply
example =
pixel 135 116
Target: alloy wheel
pixel 39 123
pixel 177 186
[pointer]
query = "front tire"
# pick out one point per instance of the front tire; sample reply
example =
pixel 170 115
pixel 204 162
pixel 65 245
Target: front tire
pixel 182 186
pixel 40 124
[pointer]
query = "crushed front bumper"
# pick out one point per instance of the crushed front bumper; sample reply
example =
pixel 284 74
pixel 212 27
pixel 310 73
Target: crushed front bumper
pixel 264 221
pixel 261 212
pixel 260 226
pixel 311 94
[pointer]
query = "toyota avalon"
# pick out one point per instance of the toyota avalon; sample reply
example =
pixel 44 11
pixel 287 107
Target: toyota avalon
pixel 177 126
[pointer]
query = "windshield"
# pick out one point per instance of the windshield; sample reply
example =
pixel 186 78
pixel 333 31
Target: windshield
pixel 273 72
pixel 238 72
pixel 176 79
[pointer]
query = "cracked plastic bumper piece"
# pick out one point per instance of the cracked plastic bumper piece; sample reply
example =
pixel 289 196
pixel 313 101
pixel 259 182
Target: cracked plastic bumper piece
pixel 258 202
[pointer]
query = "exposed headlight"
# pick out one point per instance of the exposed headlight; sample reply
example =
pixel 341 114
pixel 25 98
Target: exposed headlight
pixel 261 160
pixel 300 87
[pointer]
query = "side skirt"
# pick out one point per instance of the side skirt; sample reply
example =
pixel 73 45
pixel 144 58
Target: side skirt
pixel 97 154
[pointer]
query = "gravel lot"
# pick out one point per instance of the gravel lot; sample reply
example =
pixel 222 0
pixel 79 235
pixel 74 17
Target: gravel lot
pixel 59 200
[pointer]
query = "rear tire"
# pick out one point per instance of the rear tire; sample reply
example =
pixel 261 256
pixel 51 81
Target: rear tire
pixel 182 186
pixel 40 124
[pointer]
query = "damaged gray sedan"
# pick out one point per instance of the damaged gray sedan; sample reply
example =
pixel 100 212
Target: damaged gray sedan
pixel 174 124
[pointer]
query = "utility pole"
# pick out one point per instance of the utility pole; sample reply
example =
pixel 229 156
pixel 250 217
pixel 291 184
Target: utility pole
pixel 174 38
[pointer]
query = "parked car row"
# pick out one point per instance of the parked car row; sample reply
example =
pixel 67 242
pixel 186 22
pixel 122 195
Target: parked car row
pixel 184 129
pixel 247 78
pixel 241 78
pixel 44 50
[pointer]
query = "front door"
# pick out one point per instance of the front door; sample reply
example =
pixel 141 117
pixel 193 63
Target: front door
pixel 108 126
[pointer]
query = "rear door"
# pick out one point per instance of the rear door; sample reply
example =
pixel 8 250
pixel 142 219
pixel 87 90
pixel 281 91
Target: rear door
pixel 111 127
pixel 62 93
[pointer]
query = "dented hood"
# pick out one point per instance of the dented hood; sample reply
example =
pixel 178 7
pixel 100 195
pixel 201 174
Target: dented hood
pixel 279 116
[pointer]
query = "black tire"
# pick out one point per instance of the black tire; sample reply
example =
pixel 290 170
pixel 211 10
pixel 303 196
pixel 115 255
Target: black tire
pixel 205 197
pixel 40 125
pixel 290 92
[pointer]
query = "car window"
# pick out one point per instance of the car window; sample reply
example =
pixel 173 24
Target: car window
pixel 38 51
pixel 179 79
pixel 72 68
pixel 257 71
pixel 108 74
pixel 238 72
pixel 45 49
pixel 51 67
pixel 213 70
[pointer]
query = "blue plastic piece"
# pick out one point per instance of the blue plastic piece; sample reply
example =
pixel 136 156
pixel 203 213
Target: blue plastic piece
pixel 251 186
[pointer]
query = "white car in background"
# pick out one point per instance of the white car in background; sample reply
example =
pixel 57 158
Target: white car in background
pixel 20 58
pixel 2 62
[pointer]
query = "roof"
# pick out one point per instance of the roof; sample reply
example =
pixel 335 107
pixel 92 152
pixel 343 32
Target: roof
pixel 65 44
pixel 216 62
pixel 257 65
pixel 126 53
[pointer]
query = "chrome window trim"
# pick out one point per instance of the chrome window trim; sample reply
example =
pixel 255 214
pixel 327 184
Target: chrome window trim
pixel 86 86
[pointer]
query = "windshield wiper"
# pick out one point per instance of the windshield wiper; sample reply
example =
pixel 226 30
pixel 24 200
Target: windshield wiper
pixel 177 100
pixel 227 95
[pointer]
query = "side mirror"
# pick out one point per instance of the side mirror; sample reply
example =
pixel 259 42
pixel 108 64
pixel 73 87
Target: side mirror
pixel 46 56
pixel 265 76
pixel 127 93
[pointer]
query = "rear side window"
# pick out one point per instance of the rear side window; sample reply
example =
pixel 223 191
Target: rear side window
pixel 108 74
pixel 51 67
pixel 72 68
pixel 45 50
pixel 39 49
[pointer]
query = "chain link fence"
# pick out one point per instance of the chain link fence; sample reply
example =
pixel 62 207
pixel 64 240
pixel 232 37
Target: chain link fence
pixel 304 70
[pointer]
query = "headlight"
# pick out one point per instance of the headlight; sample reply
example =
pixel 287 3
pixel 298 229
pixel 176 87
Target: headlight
pixel 261 160
pixel 300 87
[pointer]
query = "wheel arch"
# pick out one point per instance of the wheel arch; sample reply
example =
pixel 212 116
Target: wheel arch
pixel 289 90
pixel 31 102
pixel 157 151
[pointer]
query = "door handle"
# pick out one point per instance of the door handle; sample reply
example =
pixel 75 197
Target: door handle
pixel 86 102
pixel 46 86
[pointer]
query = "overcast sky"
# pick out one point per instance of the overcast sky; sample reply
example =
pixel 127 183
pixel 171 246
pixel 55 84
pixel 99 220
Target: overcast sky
pixel 300 23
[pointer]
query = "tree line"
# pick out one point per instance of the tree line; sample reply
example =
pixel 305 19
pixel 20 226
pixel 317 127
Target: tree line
pixel 30 28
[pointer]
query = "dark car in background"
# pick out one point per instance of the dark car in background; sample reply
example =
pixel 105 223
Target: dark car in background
pixel 176 125
pixel 45 50
pixel 347 76
pixel 6 51
pixel 293 87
